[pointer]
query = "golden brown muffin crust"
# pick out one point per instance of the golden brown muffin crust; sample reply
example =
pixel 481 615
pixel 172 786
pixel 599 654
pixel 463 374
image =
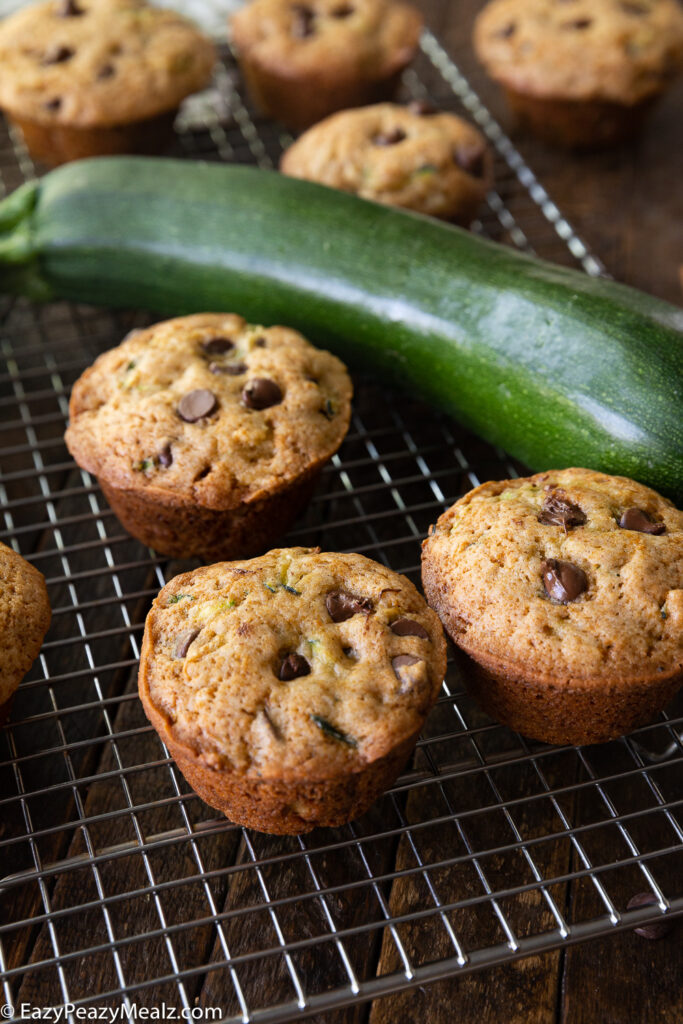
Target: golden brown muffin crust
pixel 24 618
pixel 435 163
pixel 209 411
pixel 484 566
pixel 284 667
pixel 94 63
pixel 616 50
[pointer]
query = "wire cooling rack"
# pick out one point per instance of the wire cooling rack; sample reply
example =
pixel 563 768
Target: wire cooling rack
pixel 118 886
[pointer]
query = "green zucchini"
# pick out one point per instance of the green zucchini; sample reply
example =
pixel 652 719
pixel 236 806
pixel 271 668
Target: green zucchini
pixel 557 367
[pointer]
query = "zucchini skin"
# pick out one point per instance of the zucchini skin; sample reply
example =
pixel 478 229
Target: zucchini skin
pixel 556 367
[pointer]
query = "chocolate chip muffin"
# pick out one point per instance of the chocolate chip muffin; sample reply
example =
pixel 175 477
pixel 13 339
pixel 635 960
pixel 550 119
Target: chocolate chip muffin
pixel 566 591
pixel 581 73
pixel 304 60
pixel 24 620
pixel 207 433
pixel 412 157
pixel 290 689
pixel 95 77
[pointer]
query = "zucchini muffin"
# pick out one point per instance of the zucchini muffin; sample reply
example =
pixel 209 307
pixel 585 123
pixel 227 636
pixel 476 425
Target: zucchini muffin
pixel 95 77
pixel 304 59
pixel 290 689
pixel 412 157
pixel 566 590
pixel 581 73
pixel 24 620
pixel 207 434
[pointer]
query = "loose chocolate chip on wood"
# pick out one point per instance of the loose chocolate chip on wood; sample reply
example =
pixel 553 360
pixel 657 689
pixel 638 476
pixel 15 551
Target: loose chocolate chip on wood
pixel 342 606
pixel 655 929
pixel 230 369
pixel 217 346
pixel 261 393
pixel 421 108
pixel 560 511
pixel 69 9
pixel 184 641
pixel 197 404
pixel 293 666
pixel 303 21
pixel 563 581
pixel 409 627
pixel 389 138
pixel 636 519
pixel 470 159
pixel 165 457
pixel 58 55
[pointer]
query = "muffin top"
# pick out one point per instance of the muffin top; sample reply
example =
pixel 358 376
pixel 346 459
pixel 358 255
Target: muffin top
pixel 94 63
pixel 364 38
pixel 24 618
pixel 412 157
pixel 615 50
pixel 568 573
pixel 294 664
pixel 209 410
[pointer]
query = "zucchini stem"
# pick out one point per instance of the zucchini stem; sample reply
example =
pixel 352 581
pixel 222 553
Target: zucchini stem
pixel 18 262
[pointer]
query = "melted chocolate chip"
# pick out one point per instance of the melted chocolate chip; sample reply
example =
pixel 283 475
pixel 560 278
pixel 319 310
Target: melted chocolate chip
pixel 58 55
pixel 560 511
pixel 421 108
pixel 216 346
pixel 106 71
pixel 293 666
pixel 260 343
pixel 636 519
pixel 402 664
pixel 165 457
pixel 507 31
pixel 54 104
pixel 231 369
pixel 409 627
pixel 389 138
pixel 184 641
pixel 563 581
pixel 655 929
pixel 261 393
pixel 637 10
pixel 471 159
pixel 343 11
pixel 342 606
pixel 197 404
pixel 69 9
pixel 578 23
pixel 303 20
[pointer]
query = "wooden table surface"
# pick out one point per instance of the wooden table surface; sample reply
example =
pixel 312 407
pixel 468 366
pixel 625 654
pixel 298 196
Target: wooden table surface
pixel 627 205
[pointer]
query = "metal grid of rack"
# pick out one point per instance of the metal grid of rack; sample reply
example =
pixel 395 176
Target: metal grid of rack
pixel 117 885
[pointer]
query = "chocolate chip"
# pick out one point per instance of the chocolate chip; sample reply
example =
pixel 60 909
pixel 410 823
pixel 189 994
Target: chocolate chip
pixel 507 31
pixel 165 457
pixel 293 666
pixel 231 369
pixel 54 104
pixel 197 404
pixel 409 627
pixel 216 346
pixel 636 519
pixel 403 666
pixel 260 343
pixel 563 581
pixel 106 71
pixel 261 393
pixel 558 510
pixel 389 138
pixel 303 21
pixel 184 641
pixel 343 11
pixel 637 10
pixel 470 158
pixel 579 23
pixel 655 929
pixel 58 55
pixel 69 9
pixel 342 606
pixel 421 108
